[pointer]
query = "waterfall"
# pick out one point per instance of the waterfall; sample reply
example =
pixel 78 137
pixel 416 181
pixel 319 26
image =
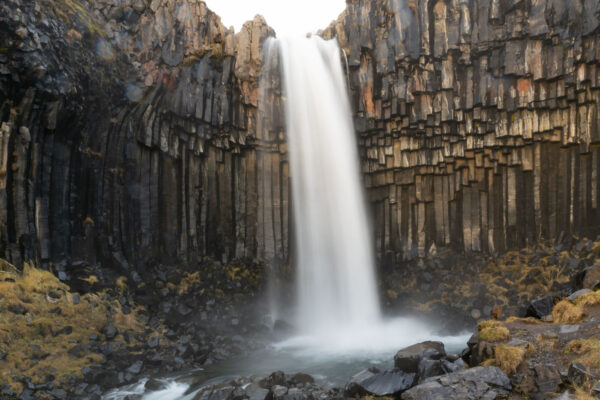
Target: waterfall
pixel 336 286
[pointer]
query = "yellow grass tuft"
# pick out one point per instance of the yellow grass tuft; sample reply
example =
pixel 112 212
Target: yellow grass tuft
pixel 588 351
pixel 54 332
pixel 528 320
pixel 588 299
pixel 565 312
pixel 508 358
pixel 492 331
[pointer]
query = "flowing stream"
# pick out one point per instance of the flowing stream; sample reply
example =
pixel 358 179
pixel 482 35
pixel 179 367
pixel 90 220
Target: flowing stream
pixel 340 326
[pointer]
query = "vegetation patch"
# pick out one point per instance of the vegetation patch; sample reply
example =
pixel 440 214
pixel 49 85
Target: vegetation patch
pixel 588 351
pixel 492 331
pixel 528 320
pixel 565 312
pixel 588 299
pixel 507 358
pixel 45 329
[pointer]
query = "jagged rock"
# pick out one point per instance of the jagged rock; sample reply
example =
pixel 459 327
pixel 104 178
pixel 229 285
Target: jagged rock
pixel 408 358
pixel 579 375
pixel 539 308
pixel 471 384
pixel 385 383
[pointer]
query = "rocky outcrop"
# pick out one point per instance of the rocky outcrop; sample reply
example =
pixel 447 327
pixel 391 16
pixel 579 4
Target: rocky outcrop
pixel 477 120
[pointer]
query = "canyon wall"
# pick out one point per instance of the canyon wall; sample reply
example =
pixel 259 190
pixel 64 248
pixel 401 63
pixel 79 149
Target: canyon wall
pixel 130 132
pixel 478 120
pixel 128 137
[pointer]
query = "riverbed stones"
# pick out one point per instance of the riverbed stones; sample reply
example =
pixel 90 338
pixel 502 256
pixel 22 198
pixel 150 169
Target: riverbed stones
pixel 471 384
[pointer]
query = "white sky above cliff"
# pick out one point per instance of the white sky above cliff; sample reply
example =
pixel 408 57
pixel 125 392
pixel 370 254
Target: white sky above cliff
pixel 287 17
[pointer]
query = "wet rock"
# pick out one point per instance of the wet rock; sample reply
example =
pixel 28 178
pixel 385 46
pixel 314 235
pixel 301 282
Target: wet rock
pixel 255 392
pixel 276 378
pixel 408 358
pixel 385 383
pixel 301 379
pixel 279 391
pixel 428 368
pixel 136 367
pixel 470 384
pixel 154 384
pixel 541 307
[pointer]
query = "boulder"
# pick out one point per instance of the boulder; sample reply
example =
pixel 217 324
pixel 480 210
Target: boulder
pixel 539 308
pixel 471 384
pixel 255 392
pixel 276 378
pixel 408 358
pixel 428 368
pixel 387 383
pixel 547 378
pixel 301 379
pixel 579 375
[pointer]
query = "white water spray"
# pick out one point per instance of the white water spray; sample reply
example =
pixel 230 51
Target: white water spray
pixel 336 282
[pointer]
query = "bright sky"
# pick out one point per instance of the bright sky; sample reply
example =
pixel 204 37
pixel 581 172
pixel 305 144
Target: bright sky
pixel 287 17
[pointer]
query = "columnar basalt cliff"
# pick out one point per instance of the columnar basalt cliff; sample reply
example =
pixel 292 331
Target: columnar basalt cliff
pixel 130 131
pixel 129 137
pixel 477 120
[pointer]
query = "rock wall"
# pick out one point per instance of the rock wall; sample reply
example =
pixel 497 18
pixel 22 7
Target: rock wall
pixel 128 137
pixel 130 131
pixel 478 120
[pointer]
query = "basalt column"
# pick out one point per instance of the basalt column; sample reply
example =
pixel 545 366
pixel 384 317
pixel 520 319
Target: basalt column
pixel 478 120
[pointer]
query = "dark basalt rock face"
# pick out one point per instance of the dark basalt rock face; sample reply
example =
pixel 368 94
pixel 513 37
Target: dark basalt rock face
pixel 129 132
pixel 129 137
pixel 476 120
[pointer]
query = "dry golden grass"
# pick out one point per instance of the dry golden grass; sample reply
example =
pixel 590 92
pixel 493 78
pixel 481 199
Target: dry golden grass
pixel 187 282
pixel 588 299
pixel 565 312
pixel 528 320
pixel 546 342
pixel 37 343
pixel 507 358
pixel 492 331
pixel 588 351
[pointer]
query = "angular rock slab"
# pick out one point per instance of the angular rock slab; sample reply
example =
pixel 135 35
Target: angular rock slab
pixel 471 384
pixel 387 383
pixel 408 358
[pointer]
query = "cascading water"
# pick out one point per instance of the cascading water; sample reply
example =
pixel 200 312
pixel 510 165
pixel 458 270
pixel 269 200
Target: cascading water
pixel 336 282
pixel 338 311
